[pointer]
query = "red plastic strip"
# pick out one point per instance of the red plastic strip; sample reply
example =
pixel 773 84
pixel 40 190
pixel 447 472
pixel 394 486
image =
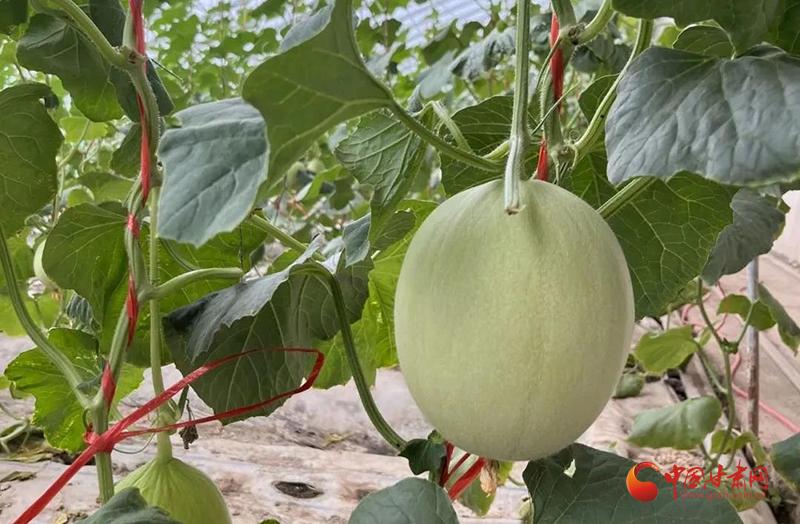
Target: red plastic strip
pixel 466 479
pixel 107 385
pixel 117 433
pixel 542 165
pixel 557 60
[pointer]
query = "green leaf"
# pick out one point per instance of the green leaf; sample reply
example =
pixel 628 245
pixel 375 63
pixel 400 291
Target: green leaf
pixel 629 385
pixel 384 154
pixel 787 327
pixel 590 98
pixel 214 165
pixel 77 127
pixel 52 46
pixel 747 21
pixel 128 507
pixel 761 317
pixel 667 233
pixel 301 103
pixel 110 18
pixel 596 492
pixel 484 126
pixel 374 331
pixel 719 444
pixel 125 159
pixel 424 454
pixel 680 426
pixel 85 252
pixel 658 352
pixel 28 148
pixel 588 181
pixel 484 55
pixel 757 222
pixel 677 111
pixel 12 13
pixel 705 40
pixel 785 456
pixel 57 411
pixel 784 32
pixel 410 501
pixel 287 309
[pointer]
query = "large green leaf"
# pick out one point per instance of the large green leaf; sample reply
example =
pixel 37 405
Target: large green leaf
pixel 384 154
pixel 680 426
pixel 287 309
pixel 595 492
pixel 410 501
pixel 785 456
pixel 678 111
pixel 57 411
pixel 53 46
pixel 317 81
pixel 757 221
pixel 784 32
pixel 12 13
pixel 214 164
pixel 659 352
pixel 484 126
pixel 667 233
pixel 29 142
pixel 85 252
pixel 787 327
pixel 128 507
pixel 374 330
pixel 747 21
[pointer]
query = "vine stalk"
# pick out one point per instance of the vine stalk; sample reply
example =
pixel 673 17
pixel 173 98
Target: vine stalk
pixel 518 141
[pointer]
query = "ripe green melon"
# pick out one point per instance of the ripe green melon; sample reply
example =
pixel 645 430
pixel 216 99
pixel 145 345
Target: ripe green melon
pixel 183 491
pixel 512 330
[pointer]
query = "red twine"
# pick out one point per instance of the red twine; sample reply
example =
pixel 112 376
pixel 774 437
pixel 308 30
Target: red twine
pixel 466 479
pixel 105 442
pixel 557 72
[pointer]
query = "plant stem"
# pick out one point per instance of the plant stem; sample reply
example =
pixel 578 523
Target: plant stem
pixel 163 445
pixel 82 21
pixel 374 414
pixel 444 147
pixel 518 141
pixel 451 126
pixel 564 11
pixel 587 140
pixel 752 352
pixel 176 284
pixel 595 26
pixel 105 474
pixel 284 238
pixel 625 195
pixel 62 363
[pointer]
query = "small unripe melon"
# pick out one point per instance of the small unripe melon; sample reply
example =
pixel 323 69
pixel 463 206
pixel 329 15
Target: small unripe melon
pixel 183 491
pixel 512 330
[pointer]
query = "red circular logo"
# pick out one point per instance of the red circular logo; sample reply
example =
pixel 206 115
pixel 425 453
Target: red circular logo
pixel 643 491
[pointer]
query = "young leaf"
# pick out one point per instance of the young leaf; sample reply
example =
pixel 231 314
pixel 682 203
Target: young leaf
pixel 57 411
pixel 787 327
pixel 424 454
pixel 333 85
pixel 679 426
pixel 677 111
pixel 410 501
pixel 596 492
pixel 214 165
pixel 288 309
pixel 128 507
pixel 658 352
pixel 52 46
pixel 747 21
pixel 785 456
pixel 760 318
pixel 28 152
pixel 757 221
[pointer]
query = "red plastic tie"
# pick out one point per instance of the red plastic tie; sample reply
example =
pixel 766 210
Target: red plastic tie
pixel 116 433
pixel 466 479
pixel 557 60
pixel 107 385
pixel 542 165
pixel 133 225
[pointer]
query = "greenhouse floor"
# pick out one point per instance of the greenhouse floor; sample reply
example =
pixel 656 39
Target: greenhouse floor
pixel 314 459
